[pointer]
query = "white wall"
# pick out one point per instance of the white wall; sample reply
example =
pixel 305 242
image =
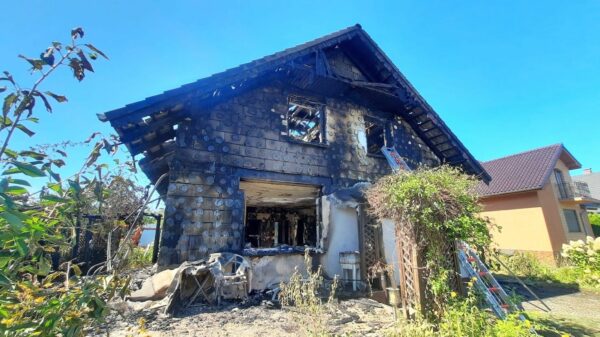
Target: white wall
pixel 342 235
pixel 272 270
pixel 389 246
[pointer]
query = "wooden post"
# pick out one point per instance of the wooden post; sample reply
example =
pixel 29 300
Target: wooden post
pixel 362 222
pixel 401 268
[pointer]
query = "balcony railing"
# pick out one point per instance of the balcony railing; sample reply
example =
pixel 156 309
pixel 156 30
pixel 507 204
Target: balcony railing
pixel 576 189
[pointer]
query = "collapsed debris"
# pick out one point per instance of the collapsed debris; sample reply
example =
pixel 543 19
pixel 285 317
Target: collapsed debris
pixel 222 276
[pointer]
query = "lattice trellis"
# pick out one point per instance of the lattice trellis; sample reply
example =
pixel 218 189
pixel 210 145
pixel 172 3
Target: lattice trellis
pixel 412 274
pixel 410 282
pixel 372 237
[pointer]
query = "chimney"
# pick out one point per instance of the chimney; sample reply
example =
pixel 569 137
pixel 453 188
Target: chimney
pixel 587 171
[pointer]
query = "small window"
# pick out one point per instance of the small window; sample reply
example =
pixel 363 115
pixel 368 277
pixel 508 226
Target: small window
pixel 375 136
pixel 572 221
pixel 305 120
pixel 563 188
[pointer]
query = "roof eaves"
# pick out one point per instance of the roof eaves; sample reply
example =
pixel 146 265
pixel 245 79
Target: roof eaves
pixel 129 108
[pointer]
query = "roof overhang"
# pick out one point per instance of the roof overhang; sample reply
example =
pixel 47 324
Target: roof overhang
pixel 147 127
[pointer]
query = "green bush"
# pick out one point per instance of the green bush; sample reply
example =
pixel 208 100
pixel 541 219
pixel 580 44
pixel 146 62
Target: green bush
pixel 595 222
pixel 585 257
pixel 435 208
pixel 140 257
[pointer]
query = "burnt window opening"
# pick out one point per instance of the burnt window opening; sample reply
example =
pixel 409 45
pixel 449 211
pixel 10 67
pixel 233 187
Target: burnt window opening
pixel 375 134
pixel 305 120
pixel 280 215
pixel 268 227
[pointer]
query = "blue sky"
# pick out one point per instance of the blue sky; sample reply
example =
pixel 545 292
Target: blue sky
pixel 506 76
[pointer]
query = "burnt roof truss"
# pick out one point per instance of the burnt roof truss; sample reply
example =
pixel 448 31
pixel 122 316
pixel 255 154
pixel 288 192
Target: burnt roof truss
pixel 146 127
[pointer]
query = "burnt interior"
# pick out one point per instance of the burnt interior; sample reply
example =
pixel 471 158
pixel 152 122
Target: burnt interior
pixel 268 227
pixel 375 136
pixel 279 214
pixel 304 120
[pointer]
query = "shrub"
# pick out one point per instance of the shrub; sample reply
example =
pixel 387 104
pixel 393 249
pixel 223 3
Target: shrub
pixel 585 256
pixel 434 208
pixel 595 223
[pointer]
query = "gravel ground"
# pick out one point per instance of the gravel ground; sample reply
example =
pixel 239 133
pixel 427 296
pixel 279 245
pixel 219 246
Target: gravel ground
pixel 358 317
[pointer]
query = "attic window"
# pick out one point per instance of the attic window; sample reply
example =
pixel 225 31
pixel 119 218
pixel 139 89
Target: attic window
pixel 305 120
pixel 375 131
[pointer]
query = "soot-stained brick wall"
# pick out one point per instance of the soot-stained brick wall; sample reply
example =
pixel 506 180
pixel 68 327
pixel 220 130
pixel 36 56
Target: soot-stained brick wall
pixel 248 135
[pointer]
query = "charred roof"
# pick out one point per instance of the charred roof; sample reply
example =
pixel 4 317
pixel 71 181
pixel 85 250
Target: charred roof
pixel 148 126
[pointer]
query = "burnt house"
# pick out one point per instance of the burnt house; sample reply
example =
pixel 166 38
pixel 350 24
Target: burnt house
pixel 268 158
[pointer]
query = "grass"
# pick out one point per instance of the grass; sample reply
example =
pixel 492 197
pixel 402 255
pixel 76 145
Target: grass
pixel 533 271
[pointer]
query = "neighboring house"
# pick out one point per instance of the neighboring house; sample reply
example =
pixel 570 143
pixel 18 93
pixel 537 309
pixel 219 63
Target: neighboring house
pixel 592 179
pixel 535 202
pixel 270 157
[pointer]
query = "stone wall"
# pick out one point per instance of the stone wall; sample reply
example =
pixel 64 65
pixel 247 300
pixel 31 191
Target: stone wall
pixel 246 137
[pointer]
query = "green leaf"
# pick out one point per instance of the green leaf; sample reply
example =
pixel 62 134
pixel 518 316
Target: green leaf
pixel 12 170
pixel 53 198
pixel 96 50
pixel 9 100
pixel 58 98
pixel 56 187
pixel 16 190
pixel 5 122
pixel 12 154
pixel 33 119
pixel 12 219
pixel 3 185
pixel 25 130
pixel 76 32
pixel 19 182
pixel 85 64
pixel 78 71
pixel 4 281
pixel 75 186
pixel 58 162
pixel 21 246
pixel 35 63
pixel 76 269
pixel 28 169
pixel 46 103
pixel 33 154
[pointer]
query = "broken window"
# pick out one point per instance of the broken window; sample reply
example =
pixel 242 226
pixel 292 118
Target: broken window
pixel 375 133
pixel 305 120
pixel 280 214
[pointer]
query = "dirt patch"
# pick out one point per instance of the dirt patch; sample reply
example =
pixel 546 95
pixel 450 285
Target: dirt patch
pixel 362 317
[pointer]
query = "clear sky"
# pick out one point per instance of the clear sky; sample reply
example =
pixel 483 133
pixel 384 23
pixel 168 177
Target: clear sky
pixel 506 76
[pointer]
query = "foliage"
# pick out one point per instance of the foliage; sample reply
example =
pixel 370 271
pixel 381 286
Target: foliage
pixel 595 223
pixel 585 257
pixel 529 267
pixel 140 257
pixel 435 207
pixel 464 317
pixel 41 292
pixel 302 291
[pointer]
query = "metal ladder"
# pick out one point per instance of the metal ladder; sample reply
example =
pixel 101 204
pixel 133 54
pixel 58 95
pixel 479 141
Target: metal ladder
pixel 492 291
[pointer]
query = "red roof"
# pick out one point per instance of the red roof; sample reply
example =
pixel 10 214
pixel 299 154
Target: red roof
pixel 524 171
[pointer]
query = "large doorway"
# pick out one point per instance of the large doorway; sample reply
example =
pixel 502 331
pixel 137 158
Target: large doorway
pixel 280 214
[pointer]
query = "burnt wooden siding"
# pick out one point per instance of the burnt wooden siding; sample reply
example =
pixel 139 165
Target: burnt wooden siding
pixel 246 138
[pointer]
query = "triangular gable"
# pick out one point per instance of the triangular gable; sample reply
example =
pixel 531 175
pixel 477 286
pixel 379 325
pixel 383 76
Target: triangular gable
pixel 146 125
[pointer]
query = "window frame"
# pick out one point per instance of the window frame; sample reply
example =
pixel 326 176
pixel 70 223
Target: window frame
pixel 386 134
pixel 576 217
pixel 322 120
